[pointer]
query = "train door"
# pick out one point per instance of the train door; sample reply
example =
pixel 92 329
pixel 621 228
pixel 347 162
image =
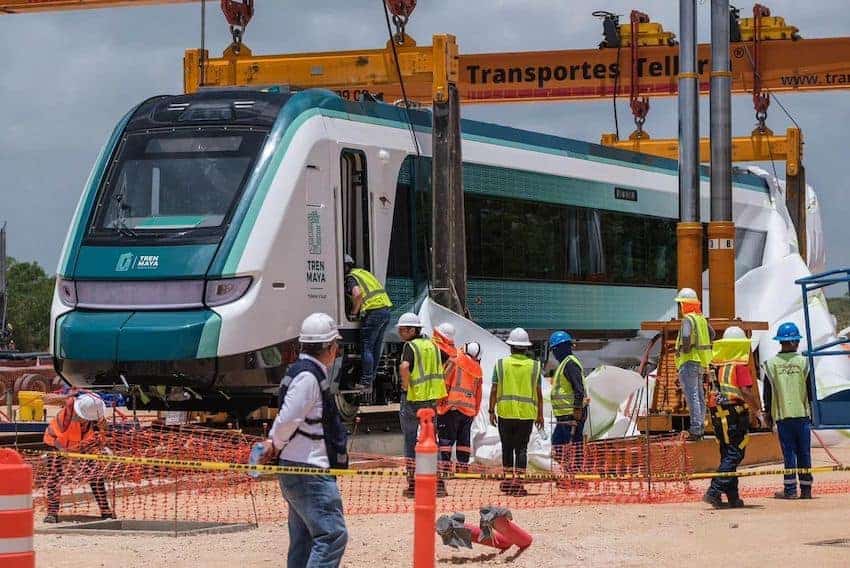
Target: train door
pixel 356 218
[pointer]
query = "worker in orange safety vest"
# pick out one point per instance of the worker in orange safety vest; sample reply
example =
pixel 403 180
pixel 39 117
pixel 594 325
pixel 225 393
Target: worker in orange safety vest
pixel 456 412
pixel 78 427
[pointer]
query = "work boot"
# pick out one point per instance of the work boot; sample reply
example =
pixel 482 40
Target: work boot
pixel 441 489
pixel 694 437
pixel 410 490
pixel 51 518
pixel 506 485
pixel 806 492
pixel 713 499
pixel 735 502
pixel 517 490
pixel 107 515
pixel 784 495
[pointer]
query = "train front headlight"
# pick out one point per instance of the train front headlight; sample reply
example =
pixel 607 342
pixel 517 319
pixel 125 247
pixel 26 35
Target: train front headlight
pixel 226 290
pixel 67 292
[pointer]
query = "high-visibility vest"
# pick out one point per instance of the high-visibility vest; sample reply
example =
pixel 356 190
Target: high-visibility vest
pixel 374 295
pixel 700 343
pixel 788 373
pixel 516 393
pixel 726 355
pixel 464 377
pixel 426 377
pixel 563 395
pixel 70 434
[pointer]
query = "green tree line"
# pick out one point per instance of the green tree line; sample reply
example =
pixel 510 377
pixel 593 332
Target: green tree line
pixel 30 292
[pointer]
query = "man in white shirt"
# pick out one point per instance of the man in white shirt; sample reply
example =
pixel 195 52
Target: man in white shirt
pixel 317 532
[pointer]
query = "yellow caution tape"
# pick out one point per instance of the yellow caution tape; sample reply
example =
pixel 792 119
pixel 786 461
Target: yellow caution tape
pixel 199 465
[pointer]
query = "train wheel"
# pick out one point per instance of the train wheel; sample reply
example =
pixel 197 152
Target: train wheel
pixel 34 382
pixel 349 406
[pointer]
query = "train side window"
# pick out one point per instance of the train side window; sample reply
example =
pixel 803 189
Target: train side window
pixel 355 207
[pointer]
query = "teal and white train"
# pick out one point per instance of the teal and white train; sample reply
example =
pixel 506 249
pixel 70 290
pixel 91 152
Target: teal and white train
pixel 213 223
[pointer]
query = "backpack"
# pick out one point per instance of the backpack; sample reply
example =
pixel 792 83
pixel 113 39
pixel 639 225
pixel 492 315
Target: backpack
pixel 333 430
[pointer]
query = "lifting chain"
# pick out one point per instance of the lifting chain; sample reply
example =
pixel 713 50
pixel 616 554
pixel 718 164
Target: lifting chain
pixel 638 104
pixel 760 100
pixel 238 14
pixel 401 10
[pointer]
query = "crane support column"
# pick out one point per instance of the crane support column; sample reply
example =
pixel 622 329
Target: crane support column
pixel 447 211
pixel 689 229
pixel 721 229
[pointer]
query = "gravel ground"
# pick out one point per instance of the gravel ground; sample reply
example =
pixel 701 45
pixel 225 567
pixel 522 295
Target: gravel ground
pixel 766 532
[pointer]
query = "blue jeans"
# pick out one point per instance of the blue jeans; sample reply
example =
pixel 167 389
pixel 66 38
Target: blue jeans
pixel 795 438
pixel 410 423
pixel 568 440
pixel 317 533
pixel 372 332
pixel 690 377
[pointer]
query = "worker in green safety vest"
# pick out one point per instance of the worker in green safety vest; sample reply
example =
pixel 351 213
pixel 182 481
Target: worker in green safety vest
pixel 516 404
pixel 787 396
pixel 423 383
pixel 371 303
pixel 693 355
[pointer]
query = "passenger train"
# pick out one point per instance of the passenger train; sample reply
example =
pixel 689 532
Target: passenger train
pixel 213 223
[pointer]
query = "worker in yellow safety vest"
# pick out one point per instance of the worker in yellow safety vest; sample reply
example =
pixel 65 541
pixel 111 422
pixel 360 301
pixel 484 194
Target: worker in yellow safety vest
pixel 423 383
pixel 516 405
pixel 693 354
pixel 734 408
pixel 569 403
pixel 371 303
pixel 787 398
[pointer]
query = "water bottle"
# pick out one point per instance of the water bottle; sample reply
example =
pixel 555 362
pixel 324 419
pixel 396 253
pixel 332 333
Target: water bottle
pixel 257 451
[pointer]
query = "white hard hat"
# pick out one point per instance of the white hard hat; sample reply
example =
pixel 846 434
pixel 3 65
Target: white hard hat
pixel 318 328
pixel 347 259
pixel 448 330
pixel 90 407
pixel 734 332
pixel 518 338
pixel 473 349
pixel 409 320
pixel 687 296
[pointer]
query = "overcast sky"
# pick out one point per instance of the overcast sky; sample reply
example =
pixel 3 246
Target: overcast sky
pixel 68 77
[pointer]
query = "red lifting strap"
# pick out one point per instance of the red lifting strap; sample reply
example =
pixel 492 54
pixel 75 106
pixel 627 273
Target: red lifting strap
pixel 402 8
pixel 238 13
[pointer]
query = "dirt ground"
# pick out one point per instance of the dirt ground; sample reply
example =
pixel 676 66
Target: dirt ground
pixel 767 532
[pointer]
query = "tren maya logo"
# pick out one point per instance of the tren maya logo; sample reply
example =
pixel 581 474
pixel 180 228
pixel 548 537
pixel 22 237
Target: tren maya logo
pixel 128 261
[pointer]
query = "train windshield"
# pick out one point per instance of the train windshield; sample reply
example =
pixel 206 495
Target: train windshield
pixel 179 183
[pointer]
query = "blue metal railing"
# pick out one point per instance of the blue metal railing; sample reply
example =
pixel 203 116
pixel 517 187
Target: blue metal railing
pixel 833 411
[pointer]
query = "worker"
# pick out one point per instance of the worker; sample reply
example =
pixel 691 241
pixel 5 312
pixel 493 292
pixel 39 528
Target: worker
pixel 693 355
pixel 787 398
pixel 516 405
pixel 423 383
pixel 80 426
pixel 733 408
pixel 308 432
pixel 456 412
pixel 569 402
pixel 371 303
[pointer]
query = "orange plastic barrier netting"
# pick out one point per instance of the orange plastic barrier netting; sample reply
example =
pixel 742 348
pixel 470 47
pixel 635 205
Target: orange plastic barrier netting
pixel 622 471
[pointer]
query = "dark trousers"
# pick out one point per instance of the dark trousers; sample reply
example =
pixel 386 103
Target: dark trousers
pixel 372 331
pixel 795 438
pixel 731 427
pixel 514 434
pixel 568 440
pixel 455 428
pixel 55 465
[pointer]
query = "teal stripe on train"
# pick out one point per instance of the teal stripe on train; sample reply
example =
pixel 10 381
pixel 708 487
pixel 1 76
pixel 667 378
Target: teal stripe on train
pixel 138 336
pixel 81 215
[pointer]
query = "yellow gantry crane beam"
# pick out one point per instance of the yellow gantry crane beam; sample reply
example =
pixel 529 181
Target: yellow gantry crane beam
pixel 30 6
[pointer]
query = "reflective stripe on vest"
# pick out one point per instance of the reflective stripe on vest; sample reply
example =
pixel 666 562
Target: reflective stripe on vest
pixel 788 376
pixel 374 295
pixel 467 375
pixel 516 393
pixel 426 377
pixel 729 391
pixel 69 433
pixel 700 342
pixel 563 394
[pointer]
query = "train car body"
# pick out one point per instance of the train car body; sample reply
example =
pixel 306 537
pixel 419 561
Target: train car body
pixel 213 223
